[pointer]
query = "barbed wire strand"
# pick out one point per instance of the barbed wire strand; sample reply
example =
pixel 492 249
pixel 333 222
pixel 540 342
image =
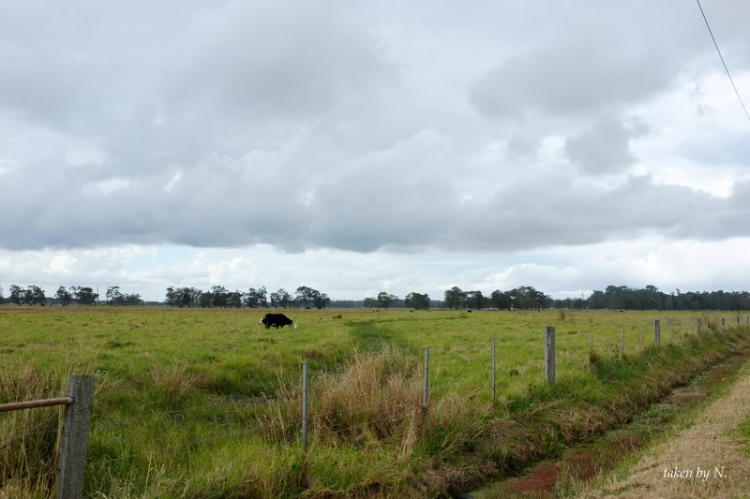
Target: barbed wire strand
pixel 16 438
pixel 249 431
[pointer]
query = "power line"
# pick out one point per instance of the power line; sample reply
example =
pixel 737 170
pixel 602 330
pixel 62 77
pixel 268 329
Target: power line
pixel 722 59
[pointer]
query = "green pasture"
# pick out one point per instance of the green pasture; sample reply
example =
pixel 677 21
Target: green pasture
pixel 204 402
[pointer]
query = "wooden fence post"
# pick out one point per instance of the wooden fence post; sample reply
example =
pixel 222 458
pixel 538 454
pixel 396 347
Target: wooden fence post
pixel 493 374
pixel 657 331
pixel 549 353
pixel 426 377
pixel 75 437
pixel 699 323
pixel 304 407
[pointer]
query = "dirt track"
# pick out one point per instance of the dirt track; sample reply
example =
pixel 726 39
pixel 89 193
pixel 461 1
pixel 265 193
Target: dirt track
pixel 711 444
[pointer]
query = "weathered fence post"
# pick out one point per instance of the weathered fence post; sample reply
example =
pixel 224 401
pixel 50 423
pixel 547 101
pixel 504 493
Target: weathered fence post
pixel 699 323
pixel 493 374
pixel 426 376
pixel 738 320
pixel 549 353
pixel 657 331
pixel 622 340
pixel 75 437
pixel 723 322
pixel 304 407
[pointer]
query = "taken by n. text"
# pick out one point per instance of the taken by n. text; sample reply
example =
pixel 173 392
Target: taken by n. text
pixel 697 474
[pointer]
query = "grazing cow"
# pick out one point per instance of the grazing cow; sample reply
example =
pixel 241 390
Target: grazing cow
pixel 337 316
pixel 277 321
pixel 468 310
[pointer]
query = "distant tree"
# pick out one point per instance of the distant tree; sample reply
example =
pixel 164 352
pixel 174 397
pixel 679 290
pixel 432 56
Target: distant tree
pixel 114 297
pixel 417 301
pixel 219 296
pixel 474 299
pixel 27 297
pixel 385 300
pixel 111 291
pixel 280 298
pixel 205 299
pixel 256 297
pixel 84 295
pixel 2 299
pixel 528 298
pixel 182 297
pixel 251 299
pixel 304 295
pixel 34 295
pixel 311 297
pixel 454 298
pixel 370 303
pixel 321 300
pixel 501 300
pixel 188 296
pixel 234 299
pixel 16 294
pixel 63 296
pixel 131 299
pixel 173 297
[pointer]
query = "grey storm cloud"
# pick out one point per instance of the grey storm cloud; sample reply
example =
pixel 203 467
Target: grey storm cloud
pixel 605 147
pixel 570 78
pixel 320 125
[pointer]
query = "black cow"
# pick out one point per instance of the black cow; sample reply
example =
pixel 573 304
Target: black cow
pixel 277 321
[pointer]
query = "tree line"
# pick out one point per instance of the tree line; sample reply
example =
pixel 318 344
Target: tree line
pixel 650 298
pixel 79 295
pixel 520 298
pixel 220 297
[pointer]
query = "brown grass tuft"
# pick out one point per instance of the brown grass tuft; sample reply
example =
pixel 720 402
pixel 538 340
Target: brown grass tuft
pixel 175 381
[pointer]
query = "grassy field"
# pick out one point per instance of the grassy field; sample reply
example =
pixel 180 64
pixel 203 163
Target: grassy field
pixel 206 403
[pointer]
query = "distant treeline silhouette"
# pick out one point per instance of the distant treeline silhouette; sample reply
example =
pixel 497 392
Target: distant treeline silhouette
pixel 520 298
pixel 650 298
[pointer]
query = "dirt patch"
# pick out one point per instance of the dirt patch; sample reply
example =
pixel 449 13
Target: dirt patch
pixel 582 463
pixel 538 483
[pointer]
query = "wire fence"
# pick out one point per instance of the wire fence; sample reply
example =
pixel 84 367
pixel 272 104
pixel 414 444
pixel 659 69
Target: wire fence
pixel 35 430
pixel 278 422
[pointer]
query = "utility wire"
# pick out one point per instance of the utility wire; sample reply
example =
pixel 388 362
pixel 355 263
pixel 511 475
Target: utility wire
pixel 722 59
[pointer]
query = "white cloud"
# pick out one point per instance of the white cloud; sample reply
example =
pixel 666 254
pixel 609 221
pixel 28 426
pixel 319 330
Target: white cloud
pixel 172 182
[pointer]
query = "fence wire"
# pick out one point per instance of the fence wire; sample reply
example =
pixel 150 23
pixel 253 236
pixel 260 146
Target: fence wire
pixel 10 440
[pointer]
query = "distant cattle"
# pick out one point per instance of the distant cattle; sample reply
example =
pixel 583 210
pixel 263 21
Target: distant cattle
pixel 468 310
pixel 337 316
pixel 277 321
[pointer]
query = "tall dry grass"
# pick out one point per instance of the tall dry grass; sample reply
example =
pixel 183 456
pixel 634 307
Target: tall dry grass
pixel 28 438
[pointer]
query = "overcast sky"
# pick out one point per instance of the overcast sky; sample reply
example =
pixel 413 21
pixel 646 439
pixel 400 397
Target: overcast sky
pixel 364 146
